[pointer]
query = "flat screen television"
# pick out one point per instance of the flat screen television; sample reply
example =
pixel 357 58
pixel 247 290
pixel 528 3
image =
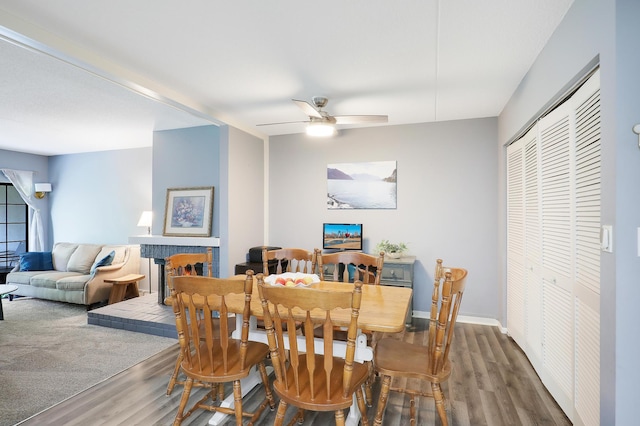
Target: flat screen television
pixel 342 236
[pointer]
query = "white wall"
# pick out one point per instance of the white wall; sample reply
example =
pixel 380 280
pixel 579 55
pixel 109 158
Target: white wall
pixel 447 198
pixel 242 188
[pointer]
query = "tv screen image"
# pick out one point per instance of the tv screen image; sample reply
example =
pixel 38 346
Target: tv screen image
pixel 342 236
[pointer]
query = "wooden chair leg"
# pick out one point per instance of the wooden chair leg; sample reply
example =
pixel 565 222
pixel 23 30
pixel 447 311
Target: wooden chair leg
pixel 282 408
pixel 368 385
pixel 412 410
pixel 174 376
pixel 298 418
pixel 340 418
pixel 237 401
pixel 438 396
pixel 364 420
pixel 267 388
pixel 382 401
pixel 183 401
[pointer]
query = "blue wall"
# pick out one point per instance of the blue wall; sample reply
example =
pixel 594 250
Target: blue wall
pixel 98 197
pixel 185 158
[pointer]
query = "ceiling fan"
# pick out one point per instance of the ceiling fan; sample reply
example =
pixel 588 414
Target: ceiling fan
pixel 321 123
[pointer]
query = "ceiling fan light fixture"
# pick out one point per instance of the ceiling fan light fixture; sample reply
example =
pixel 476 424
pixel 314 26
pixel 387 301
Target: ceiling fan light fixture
pixel 321 129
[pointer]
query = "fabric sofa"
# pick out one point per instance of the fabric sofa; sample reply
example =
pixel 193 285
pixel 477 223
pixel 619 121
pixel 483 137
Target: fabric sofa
pixel 74 273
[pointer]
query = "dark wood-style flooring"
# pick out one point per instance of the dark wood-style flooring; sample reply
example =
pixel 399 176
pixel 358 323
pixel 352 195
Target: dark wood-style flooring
pixel 492 383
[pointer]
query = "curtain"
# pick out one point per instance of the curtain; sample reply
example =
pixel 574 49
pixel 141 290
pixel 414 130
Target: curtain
pixel 23 182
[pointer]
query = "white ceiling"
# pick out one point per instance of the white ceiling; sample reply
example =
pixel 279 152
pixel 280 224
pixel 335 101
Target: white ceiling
pixel 163 64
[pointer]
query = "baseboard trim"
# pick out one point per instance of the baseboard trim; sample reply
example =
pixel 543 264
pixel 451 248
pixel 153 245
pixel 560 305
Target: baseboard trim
pixel 468 319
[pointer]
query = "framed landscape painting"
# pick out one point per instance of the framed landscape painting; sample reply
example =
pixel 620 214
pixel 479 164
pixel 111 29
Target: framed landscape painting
pixel 368 185
pixel 188 212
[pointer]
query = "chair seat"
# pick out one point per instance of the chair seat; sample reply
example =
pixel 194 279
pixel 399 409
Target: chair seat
pixel 256 352
pixel 336 401
pixel 397 358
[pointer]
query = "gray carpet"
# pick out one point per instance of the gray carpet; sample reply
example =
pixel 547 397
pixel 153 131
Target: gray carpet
pixel 49 353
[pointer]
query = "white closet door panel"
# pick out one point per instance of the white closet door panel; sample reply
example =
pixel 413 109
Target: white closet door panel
pixel 556 196
pixel 587 355
pixel 533 248
pixel 515 244
pixel 558 343
pixel 587 264
pixel 587 170
pixel 515 201
pixel 533 317
pixel 532 198
pixel 516 302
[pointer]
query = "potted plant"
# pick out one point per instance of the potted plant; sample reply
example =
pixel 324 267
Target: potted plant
pixel 392 250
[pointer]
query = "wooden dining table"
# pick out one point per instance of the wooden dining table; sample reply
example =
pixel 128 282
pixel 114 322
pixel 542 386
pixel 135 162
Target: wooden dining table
pixel 383 309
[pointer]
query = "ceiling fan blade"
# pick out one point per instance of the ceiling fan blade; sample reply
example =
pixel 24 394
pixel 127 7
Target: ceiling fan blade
pixel 357 119
pixel 308 108
pixel 284 122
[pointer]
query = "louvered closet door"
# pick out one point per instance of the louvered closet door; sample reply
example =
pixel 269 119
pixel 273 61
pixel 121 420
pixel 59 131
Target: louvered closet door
pixel 553 259
pixel 516 291
pixel 533 249
pixel 523 242
pixel 556 208
pixel 587 253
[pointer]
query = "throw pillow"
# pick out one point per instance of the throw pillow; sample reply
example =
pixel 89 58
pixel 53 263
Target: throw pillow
pixel 105 261
pixel 36 261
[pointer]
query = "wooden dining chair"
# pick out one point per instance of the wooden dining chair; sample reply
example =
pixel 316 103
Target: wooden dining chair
pixel 397 359
pixel 185 264
pixel 304 378
pixel 209 355
pixel 349 266
pixel 294 260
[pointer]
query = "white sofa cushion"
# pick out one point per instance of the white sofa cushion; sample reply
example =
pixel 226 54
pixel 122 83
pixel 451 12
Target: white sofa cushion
pixel 61 253
pixel 49 279
pixel 73 283
pixel 119 256
pixel 82 259
pixel 22 277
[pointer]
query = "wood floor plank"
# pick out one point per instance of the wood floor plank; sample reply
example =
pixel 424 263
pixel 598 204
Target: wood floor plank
pixel 492 383
pixel 506 404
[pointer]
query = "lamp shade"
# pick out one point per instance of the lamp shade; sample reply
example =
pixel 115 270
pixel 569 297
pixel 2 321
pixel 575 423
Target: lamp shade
pixel 146 219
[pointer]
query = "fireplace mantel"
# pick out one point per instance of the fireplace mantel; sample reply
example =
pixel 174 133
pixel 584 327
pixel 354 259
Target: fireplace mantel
pixel 158 248
pixel 175 241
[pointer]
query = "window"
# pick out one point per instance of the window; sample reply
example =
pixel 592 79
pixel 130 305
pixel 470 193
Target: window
pixel 13 226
